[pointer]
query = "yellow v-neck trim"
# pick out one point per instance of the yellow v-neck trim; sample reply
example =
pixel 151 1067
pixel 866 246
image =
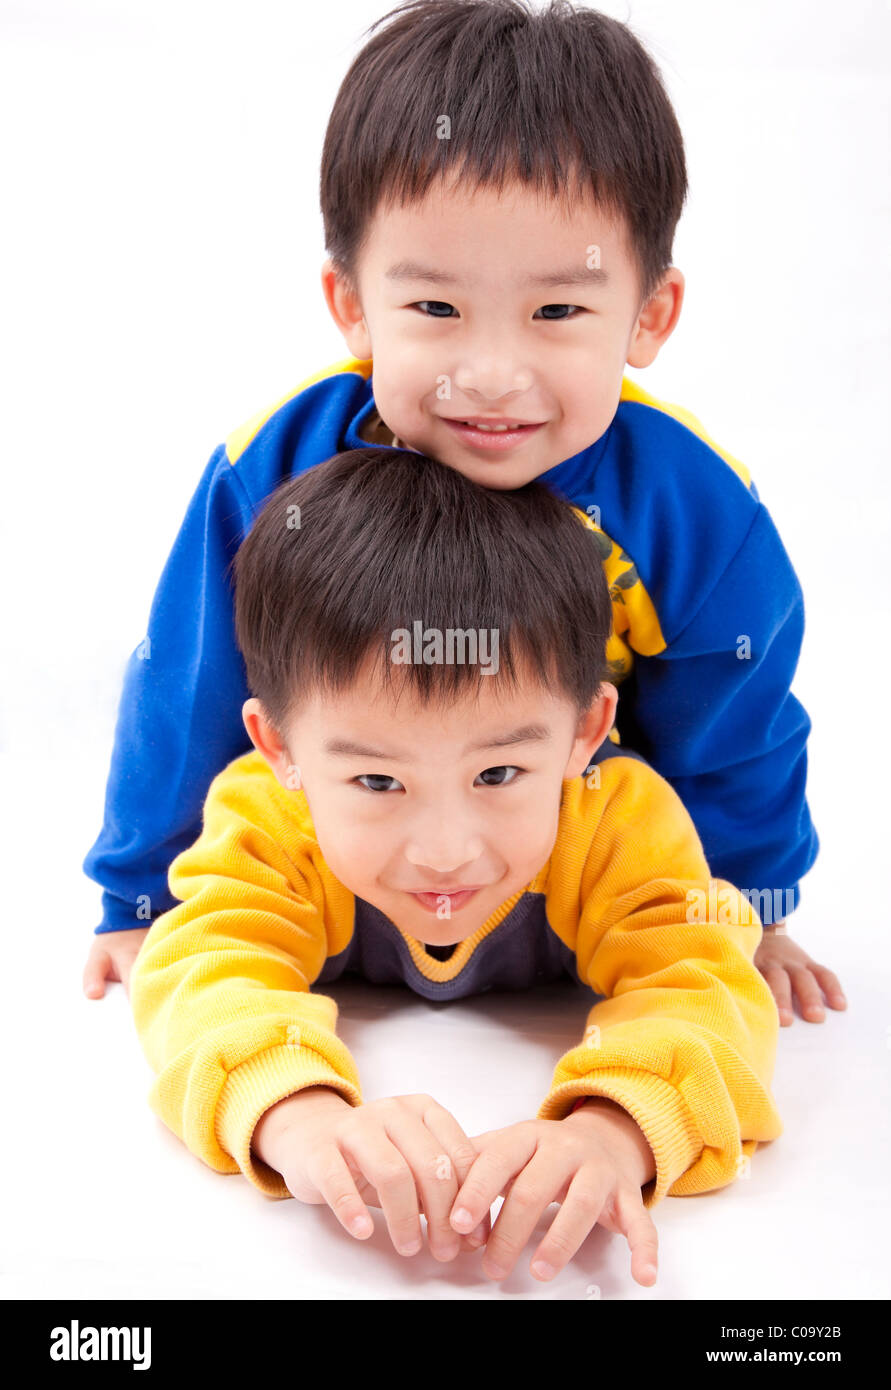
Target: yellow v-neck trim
pixel 442 971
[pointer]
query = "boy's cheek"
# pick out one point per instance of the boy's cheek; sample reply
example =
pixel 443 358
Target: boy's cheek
pixel 359 854
pixel 353 861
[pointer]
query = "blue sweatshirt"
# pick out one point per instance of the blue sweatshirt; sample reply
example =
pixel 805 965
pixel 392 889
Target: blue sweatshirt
pixel 708 621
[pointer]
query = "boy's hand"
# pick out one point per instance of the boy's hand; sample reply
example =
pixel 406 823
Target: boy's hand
pixel 594 1162
pixel 111 957
pixel 406 1154
pixel 788 969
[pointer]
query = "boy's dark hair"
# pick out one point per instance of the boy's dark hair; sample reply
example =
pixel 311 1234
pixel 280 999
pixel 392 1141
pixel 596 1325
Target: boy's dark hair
pixel 547 97
pixel 374 540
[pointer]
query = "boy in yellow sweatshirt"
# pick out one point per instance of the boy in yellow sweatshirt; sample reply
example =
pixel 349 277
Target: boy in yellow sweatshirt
pixel 403 628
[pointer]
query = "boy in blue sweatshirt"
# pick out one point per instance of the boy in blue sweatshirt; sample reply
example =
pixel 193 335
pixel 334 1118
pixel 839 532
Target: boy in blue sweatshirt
pixel 500 189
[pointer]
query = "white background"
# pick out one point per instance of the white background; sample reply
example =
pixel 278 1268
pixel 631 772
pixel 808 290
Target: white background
pixel 161 245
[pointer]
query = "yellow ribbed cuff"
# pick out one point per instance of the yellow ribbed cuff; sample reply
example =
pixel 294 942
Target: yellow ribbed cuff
pixel 259 1083
pixel 657 1107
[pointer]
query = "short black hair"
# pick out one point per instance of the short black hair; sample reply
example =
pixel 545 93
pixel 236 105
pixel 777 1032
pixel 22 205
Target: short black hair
pixel 375 540
pixel 564 99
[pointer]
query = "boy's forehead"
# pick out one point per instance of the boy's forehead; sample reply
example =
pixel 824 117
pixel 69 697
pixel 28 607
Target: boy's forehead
pixel 520 227
pixel 372 713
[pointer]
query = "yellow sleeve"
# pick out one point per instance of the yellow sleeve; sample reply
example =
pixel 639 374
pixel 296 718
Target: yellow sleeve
pixel 220 990
pixel 686 1036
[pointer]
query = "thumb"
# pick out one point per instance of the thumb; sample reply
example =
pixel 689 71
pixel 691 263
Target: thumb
pixel 95 972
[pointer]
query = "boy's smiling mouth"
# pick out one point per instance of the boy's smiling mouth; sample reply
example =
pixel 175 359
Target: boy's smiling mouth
pixel 432 901
pixel 495 432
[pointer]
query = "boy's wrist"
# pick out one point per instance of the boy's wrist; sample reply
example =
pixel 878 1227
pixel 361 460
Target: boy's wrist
pixel 291 1109
pixel 623 1123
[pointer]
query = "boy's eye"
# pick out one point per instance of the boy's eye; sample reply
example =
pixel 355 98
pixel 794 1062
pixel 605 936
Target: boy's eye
pixel 499 776
pixel 435 306
pixel 547 308
pixel 378 782
pixel 491 777
pixel 439 309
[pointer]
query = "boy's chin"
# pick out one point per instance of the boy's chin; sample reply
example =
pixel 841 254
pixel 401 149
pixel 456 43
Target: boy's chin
pixel 424 925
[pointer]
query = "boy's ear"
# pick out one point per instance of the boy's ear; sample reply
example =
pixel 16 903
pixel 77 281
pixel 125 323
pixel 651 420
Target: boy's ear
pixel 346 311
pixel 593 727
pixel 657 319
pixel 268 741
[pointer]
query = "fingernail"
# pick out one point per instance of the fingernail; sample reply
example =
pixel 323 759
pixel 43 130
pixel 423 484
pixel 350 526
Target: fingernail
pixel 462 1220
pixel 542 1270
pixel 360 1225
pixel 410 1249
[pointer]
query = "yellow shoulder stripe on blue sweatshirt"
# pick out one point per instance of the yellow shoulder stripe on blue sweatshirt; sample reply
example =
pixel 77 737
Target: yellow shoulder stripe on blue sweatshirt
pixel 240 438
pixel 632 392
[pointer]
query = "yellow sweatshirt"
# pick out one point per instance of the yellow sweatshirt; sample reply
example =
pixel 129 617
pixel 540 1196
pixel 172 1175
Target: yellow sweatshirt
pixel 683 1036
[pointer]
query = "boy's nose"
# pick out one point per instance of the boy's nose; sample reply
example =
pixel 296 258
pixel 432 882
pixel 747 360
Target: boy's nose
pixel 443 849
pixel 493 381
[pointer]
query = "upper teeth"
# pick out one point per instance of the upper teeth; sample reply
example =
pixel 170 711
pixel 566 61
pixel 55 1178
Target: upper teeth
pixel 491 427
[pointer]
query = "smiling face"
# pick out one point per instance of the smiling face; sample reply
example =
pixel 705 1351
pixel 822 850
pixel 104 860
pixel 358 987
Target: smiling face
pixel 435 816
pixel 506 307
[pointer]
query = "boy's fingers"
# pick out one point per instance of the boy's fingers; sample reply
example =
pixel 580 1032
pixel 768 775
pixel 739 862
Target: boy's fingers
pixel 635 1222
pixel 535 1188
pixel 480 1236
pixel 328 1170
pixel 95 971
pixel 831 987
pixel 381 1162
pixel 808 993
pixel 578 1215
pixel 781 989
pixel 468 1243
pixel 489 1174
pixel 482 1141
pixel 463 1153
pixel 436 1148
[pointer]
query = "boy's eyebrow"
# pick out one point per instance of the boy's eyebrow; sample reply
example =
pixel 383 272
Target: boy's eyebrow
pixel 568 275
pixel 349 748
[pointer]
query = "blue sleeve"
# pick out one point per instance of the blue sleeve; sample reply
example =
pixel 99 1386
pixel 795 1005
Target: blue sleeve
pixel 179 720
pixel 714 714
